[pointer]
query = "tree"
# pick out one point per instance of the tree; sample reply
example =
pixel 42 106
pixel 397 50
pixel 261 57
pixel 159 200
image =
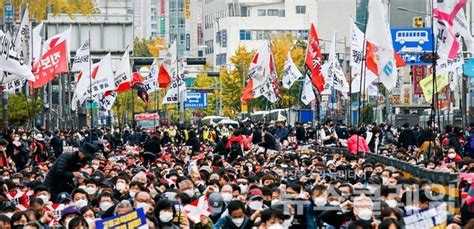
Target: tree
pixel 38 9
pixel 21 112
pixel 155 45
pixel 232 84
pixel 205 82
pixel 140 48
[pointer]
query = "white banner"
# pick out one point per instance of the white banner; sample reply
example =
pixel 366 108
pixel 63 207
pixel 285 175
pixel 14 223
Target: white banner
pixel 357 46
pixel 23 39
pixel 151 80
pixel 124 71
pixel 36 40
pixel 11 62
pixel 108 100
pixel 102 77
pixel 290 72
pixel 339 81
pixel 177 86
pixel 82 60
pixel 12 86
pixel 307 95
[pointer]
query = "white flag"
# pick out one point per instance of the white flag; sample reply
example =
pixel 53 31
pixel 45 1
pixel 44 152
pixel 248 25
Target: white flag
pixel 357 52
pixel 169 64
pixel 378 34
pixel 151 80
pixel 36 40
pixel 307 94
pixel 177 86
pixel 339 81
pixel 82 62
pixel 445 13
pixel 123 72
pixel 23 39
pixel 80 92
pixel 11 62
pixel 462 28
pixel 356 82
pixel 108 100
pixel 290 72
pixel 57 39
pixel 272 83
pixel 14 85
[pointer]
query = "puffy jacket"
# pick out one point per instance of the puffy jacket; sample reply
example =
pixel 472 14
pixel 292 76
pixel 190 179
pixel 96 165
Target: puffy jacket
pixel 352 144
pixel 59 177
pixel 239 139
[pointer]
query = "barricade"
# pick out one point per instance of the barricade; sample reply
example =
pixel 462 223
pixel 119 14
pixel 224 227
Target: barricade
pixel 448 180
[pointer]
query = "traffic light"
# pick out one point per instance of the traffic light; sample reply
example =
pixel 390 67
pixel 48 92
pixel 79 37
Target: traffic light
pixel 418 22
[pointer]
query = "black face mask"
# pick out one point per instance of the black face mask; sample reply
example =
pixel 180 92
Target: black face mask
pixel 367 175
pixel 268 203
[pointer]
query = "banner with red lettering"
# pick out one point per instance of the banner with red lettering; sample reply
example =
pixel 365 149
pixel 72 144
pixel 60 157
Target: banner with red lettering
pixel 419 72
pixel 53 62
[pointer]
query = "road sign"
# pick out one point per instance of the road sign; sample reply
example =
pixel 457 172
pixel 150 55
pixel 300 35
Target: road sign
pixel 8 13
pixel 418 22
pixel 196 100
pixel 411 43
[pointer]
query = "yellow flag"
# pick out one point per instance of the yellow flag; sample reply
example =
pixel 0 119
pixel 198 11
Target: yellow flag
pixel 426 84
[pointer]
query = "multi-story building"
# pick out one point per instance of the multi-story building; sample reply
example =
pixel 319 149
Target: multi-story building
pixel 228 24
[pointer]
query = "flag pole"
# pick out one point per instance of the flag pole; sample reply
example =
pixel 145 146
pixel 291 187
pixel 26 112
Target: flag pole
pixel 90 83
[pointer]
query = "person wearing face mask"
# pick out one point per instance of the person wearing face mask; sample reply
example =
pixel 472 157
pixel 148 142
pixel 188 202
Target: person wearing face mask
pixel 328 134
pixel 143 200
pixel 91 188
pixel 452 156
pixel 121 188
pixel 106 202
pixel 3 154
pixel 164 213
pixel 236 218
pixel 21 150
pixel 80 198
pixel 66 167
pixel 89 215
pixel 363 213
pixel 68 214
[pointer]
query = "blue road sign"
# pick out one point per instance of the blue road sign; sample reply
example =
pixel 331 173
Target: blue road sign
pixel 8 13
pixel 411 43
pixel 196 100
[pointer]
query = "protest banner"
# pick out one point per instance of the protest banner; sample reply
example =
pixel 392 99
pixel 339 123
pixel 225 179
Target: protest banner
pixel 134 219
pixel 431 218
pixel 426 84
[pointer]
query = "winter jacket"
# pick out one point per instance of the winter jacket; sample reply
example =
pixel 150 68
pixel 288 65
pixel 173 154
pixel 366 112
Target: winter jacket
pixel 239 139
pixel 353 147
pixel 407 138
pixel 60 176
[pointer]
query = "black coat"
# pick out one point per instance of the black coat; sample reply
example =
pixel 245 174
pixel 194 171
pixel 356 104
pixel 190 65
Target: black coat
pixel 57 145
pixel 269 142
pixel 153 146
pixel 60 176
pixel 407 138
pixel 300 133
pixel 194 143
pixel 256 136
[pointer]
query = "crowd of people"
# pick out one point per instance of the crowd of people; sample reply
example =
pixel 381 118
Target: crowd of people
pixel 255 175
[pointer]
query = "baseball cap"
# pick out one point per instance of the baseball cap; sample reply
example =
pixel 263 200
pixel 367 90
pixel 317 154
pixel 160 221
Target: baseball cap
pixel 255 193
pixel 216 202
pixel 63 196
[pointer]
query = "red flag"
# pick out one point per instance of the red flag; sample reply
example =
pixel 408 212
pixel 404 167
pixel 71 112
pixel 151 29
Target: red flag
pixel 399 61
pixel 125 86
pixel 313 60
pixel 164 78
pixel 53 62
pixel 371 59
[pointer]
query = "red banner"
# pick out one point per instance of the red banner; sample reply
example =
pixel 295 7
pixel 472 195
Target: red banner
pixel 419 72
pixel 53 62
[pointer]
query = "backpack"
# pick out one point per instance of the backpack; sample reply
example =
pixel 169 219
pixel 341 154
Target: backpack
pixel 235 149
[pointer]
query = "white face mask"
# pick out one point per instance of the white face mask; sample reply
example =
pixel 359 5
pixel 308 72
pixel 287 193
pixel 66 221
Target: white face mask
pixel 91 190
pixel 90 222
pixel 238 221
pixel 44 198
pixel 132 194
pixel 104 206
pixel 411 209
pixel 226 197
pixel 17 138
pixel 165 217
pixel 80 203
pixel 83 187
pixel 255 205
pixel 189 192
pixel 276 226
pixel 319 201
pixel 365 214
pixel 145 206
pixel 95 167
pixel 120 186
pixel 391 203
pixel 452 155
pixel 24 137
pixel 335 203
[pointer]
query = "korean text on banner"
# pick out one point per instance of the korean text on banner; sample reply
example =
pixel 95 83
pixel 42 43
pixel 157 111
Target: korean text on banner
pixel 135 219
pixel 436 217
pixel 426 84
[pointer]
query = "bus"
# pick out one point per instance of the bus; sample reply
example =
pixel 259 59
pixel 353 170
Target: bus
pixel 147 120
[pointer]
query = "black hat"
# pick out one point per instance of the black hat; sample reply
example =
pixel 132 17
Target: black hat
pixel 172 172
pixel 88 148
